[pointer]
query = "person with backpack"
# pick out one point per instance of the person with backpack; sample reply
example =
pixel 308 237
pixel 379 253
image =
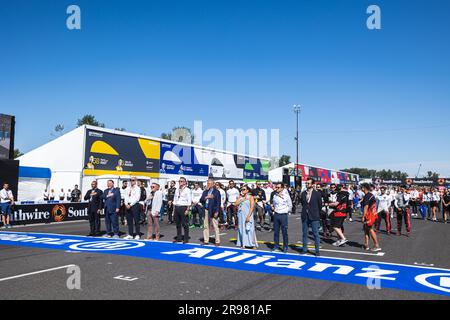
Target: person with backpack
pixel 369 219
pixel 339 213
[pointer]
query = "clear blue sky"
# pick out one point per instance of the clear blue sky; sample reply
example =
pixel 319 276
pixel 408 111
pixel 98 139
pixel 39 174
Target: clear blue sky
pixel 150 65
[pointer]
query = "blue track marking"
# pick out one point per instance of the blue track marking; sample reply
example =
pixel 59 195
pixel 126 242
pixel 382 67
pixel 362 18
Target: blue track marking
pixel 365 273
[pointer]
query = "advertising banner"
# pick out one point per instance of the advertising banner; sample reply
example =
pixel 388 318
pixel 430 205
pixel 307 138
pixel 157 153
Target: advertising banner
pixel 256 169
pixel 48 213
pixel 108 153
pixel 220 165
pixel 181 160
pixel 9 172
pixel 6 136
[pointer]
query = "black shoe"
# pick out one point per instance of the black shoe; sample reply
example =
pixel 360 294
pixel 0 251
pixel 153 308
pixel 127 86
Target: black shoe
pixel 317 254
pixel 90 235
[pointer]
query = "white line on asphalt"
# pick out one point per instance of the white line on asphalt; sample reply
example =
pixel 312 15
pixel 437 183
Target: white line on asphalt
pixel 123 278
pixel 36 272
pixel 379 254
pixel 422 264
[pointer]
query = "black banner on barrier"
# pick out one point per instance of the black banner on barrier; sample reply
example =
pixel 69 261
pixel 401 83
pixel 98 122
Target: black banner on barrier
pixel 49 213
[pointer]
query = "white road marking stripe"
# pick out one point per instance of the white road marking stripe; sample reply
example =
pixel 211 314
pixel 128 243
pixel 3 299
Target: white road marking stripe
pixel 36 272
pixel 379 254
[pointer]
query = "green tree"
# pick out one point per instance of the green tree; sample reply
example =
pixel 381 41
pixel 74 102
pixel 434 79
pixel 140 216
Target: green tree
pixel 89 119
pixel 58 131
pixel 284 160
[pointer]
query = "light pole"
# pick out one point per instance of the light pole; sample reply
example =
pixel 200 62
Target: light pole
pixel 297 112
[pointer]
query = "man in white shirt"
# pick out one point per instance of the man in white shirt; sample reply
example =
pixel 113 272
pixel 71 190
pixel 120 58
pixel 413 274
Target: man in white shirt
pixel 182 202
pixel 6 201
pixel 62 195
pixel 414 202
pixel 383 209
pixel 282 205
pixel 232 196
pixel 198 212
pixel 132 197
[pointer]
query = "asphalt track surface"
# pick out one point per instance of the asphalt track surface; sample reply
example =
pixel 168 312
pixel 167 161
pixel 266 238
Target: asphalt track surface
pixel 156 280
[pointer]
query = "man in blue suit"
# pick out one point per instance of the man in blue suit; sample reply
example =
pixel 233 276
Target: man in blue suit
pixel 210 200
pixel 311 201
pixel 111 199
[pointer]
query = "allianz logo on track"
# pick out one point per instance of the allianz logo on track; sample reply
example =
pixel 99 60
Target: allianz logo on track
pixel 393 276
pixel 78 245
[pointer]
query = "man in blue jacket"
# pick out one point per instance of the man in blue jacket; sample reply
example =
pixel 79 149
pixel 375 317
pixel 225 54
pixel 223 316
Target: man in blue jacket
pixel 112 203
pixel 210 200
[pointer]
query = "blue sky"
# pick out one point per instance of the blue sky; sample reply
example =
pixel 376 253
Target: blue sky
pixel 377 99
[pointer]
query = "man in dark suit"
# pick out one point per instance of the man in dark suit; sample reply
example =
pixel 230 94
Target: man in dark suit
pixel 94 196
pixel 311 201
pixel 210 200
pixel 112 204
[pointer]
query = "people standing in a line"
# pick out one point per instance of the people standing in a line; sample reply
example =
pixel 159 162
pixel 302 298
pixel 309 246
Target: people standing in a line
pixel 246 235
pixel 369 218
pixel 435 199
pixel 132 198
pixel 76 194
pixel 311 201
pixel 232 195
pixel 182 202
pixel 339 214
pixel 62 195
pixel 383 210
pixel 401 207
pixel 123 209
pixel 197 209
pixel 154 206
pixel 112 204
pixel 170 199
pixel 446 205
pixel 6 203
pixel 282 206
pixel 211 202
pixel 94 196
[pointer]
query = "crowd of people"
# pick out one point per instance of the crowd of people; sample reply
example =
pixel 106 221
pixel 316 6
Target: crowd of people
pixel 69 196
pixel 260 207
pixel 251 208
